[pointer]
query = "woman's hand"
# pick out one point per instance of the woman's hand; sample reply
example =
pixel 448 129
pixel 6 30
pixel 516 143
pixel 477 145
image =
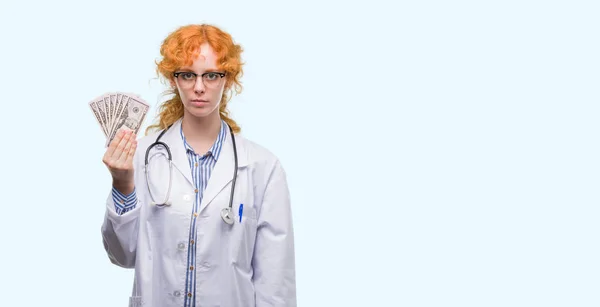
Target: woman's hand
pixel 119 160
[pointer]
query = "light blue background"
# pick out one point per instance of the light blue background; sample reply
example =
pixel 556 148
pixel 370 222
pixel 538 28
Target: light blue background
pixel 439 153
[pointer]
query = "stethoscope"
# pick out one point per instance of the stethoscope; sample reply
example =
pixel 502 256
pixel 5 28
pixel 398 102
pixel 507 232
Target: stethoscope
pixel 226 213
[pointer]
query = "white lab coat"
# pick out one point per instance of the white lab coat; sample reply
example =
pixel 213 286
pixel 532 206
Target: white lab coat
pixel 251 263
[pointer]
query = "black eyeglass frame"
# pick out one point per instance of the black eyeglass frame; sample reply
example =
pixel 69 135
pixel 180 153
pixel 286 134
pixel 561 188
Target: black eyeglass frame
pixel 177 73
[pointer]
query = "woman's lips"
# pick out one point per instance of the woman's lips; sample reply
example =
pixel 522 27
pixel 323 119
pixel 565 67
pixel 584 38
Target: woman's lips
pixel 199 102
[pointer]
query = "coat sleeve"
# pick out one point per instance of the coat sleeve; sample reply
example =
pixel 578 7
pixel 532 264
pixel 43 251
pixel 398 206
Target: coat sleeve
pixel 121 223
pixel 274 259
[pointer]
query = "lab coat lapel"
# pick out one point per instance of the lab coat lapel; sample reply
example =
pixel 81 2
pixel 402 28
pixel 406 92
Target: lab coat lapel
pixel 223 171
pixel 180 160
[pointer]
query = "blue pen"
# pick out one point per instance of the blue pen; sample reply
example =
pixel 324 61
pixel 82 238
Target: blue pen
pixel 241 211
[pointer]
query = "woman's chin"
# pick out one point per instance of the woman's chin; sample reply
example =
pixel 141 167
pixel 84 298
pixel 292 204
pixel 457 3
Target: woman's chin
pixel 200 112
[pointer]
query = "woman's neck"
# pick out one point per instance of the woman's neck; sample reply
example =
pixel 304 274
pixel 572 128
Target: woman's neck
pixel 201 133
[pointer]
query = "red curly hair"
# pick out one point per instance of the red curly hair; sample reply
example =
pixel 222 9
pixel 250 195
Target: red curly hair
pixel 179 49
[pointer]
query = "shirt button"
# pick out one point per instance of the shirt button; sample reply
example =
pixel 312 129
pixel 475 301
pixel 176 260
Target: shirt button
pixel 196 191
pixel 191 268
pixel 189 294
pixel 196 164
pixel 192 241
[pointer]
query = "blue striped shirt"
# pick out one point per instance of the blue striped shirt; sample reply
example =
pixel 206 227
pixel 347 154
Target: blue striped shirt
pixel 201 166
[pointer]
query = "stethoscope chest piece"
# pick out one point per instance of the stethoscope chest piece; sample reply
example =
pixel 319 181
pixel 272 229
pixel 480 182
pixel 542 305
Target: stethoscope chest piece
pixel 227 216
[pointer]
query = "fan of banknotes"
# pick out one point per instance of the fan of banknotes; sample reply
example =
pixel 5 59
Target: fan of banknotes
pixel 117 110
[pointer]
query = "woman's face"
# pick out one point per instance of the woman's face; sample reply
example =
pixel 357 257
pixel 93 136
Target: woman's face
pixel 201 84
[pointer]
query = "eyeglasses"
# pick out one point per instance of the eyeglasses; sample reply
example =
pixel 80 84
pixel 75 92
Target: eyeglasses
pixel 187 79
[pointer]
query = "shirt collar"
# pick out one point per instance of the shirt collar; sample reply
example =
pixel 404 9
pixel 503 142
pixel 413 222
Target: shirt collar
pixel 215 149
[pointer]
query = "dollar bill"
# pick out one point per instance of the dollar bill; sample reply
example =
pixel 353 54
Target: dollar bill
pixel 113 106
pixel 131 116
pixel 98 116
pixel 108 110
pixel 118 106
pixel 115 111
pixel 99 103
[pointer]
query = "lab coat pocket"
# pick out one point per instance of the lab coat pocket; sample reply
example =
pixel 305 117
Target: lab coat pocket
pixel 243 234
pixel 135 301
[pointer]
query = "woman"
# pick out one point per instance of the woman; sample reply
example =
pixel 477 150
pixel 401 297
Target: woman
pixel 189 250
